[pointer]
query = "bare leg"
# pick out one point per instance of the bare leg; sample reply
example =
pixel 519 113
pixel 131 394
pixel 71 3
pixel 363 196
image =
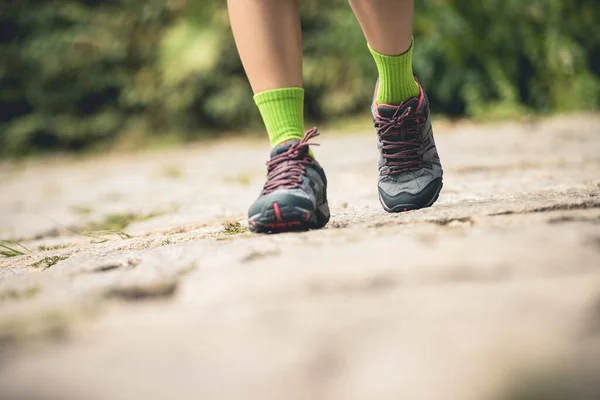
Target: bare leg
pixel 269 41
pixel 387 24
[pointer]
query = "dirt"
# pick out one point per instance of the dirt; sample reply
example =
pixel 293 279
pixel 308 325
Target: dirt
pixel 493 293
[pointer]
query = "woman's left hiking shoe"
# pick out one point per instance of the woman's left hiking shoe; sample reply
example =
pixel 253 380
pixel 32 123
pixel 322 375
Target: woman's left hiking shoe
pixel 294 196
pixel 410 172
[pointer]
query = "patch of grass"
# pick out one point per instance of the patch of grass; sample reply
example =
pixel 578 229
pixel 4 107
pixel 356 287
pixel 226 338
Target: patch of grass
pixel 114 225
pixel 82 210
pixel 113 222
pixel 101 236
pixel 55 247
pixel 233 228
pixel 12 249
pixel 47 262
pixel 172 171
pixel 95 233
pixel 13 294
pixel 118 222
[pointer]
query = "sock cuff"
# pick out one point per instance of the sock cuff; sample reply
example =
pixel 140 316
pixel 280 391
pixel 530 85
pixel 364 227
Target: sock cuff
pixel 395 58
pixel 292 93
pixel 396 80
pixel 282 111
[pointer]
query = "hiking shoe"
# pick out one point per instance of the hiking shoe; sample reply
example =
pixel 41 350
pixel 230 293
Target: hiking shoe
pixel 295 194
pixel 410 173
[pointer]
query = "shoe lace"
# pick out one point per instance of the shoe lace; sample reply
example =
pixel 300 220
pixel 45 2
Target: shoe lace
pixel 399 153
pixel 285 170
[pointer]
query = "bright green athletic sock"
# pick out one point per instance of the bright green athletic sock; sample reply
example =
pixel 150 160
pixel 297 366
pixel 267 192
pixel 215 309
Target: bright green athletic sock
pixel 396 80
pixel 282 111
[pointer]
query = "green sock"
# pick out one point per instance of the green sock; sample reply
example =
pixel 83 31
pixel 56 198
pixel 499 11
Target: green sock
pixel 282 111
pixel 396 80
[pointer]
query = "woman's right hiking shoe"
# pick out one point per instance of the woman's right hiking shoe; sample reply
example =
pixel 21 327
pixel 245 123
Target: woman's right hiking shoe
pixel 410 172
pixel 294 196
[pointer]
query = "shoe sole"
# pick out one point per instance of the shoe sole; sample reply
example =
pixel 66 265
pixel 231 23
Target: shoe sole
pixel 281 216
pixel 398 208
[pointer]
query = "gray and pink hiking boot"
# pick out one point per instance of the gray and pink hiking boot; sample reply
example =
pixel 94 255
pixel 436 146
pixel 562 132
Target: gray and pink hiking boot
pixel 410 172
pixel 294 196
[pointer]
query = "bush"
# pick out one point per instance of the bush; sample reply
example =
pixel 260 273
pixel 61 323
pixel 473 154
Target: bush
pixel 79 73
pixel 73 72
pixel 480 56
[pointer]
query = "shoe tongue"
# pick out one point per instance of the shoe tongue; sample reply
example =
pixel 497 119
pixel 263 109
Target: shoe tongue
pixel 388 111
pixel 283 147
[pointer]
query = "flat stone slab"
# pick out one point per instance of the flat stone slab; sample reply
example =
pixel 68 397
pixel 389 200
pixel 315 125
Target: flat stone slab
pixel 136 281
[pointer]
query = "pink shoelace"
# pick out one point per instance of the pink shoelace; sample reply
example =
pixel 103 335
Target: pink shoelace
pixel 400 155
pixel 285 170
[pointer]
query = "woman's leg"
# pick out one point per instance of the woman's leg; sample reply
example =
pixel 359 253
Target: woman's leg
pixel 268 36
pixel 269 41
pixel 387 25
pixel 410 173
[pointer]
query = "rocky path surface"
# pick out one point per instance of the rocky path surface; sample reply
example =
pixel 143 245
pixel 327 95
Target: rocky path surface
pixel 132 278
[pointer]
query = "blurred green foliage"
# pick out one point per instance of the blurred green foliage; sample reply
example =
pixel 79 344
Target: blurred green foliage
pixel 74 72
pixel 78 74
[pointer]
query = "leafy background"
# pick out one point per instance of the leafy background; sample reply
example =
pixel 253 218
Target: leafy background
pixel 77 75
